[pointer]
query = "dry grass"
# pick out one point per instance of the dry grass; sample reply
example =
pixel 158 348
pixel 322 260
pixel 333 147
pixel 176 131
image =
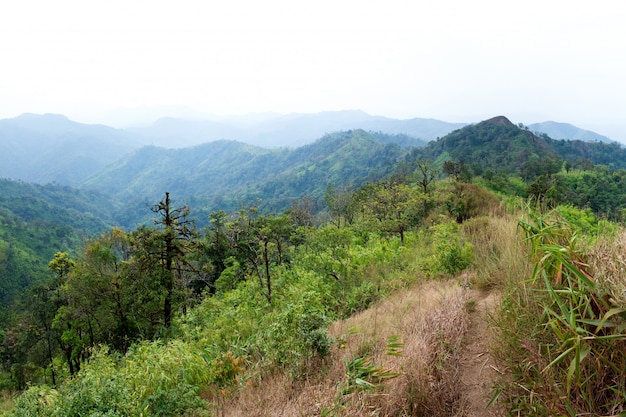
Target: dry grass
pixel 608 261
pixel 500 255
pixel 7 401
pixel 430 320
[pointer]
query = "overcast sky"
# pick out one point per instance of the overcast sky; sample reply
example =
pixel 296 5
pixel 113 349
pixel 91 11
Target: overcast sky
pixel 453 60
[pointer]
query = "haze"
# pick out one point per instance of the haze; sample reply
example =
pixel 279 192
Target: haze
pixel 118 61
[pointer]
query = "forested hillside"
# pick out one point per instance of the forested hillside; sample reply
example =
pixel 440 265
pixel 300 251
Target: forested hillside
pixel 38 221
pixel 512 160
pixel 502 147
pixel 226 175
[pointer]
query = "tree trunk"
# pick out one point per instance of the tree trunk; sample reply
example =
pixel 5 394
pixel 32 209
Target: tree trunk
pixel 268 281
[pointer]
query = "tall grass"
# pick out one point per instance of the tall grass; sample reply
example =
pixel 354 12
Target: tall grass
pixel 499 257
pixel 561 334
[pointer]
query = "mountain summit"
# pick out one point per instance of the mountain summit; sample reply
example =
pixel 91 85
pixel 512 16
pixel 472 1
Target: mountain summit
pixel 499 121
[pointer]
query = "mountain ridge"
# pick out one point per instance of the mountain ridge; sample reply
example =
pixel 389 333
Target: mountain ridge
pixel 51 148
pixel 289 130
pixel 225 174
pixel 559 130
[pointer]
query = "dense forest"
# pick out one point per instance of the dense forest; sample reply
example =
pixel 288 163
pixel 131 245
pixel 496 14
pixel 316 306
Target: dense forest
pixel 218 310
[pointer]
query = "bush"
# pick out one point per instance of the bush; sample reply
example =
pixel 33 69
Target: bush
pixel 37 401
pixel 470 200
pixel 453 253
pixel 298 332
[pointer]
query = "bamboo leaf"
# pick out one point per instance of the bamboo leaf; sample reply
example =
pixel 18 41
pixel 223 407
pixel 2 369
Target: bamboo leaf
pixel 559 358
pixel 609 314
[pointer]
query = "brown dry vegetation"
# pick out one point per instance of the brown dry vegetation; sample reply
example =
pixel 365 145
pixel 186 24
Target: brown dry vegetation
pixel 608 261
pixel 429 319
pixel 572 302
pixel 500 256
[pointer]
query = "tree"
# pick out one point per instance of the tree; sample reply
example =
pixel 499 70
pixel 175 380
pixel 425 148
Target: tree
pixel 328 251
pixel 302 212
pixel 162 251
pixel 458 170
pixel 215 251
pixel 61 265
pixel 68 332
pixel 393 206
pixel 261 239
pixel 340 205
pixel 426 172
pixel 104 294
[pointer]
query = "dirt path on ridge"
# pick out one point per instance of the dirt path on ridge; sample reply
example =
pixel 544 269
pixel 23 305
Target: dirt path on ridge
pixel 478 370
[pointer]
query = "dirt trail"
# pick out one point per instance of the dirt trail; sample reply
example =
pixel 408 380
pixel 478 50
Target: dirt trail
pixel 478 370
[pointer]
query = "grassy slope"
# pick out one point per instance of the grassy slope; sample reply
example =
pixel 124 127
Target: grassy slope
pixel 429 316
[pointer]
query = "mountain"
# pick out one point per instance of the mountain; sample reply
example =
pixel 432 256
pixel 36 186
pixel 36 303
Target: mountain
pixel 170 132
pixel 36 221
pixel 51 148
pixel 501 146
pixel 558 130
pixel 292 130
pixel 225 174
pixel 494 144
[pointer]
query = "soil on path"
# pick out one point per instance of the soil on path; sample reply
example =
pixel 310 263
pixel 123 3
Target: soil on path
pixel 478 370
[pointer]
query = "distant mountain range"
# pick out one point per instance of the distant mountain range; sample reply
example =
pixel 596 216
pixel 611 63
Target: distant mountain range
pixel 53 149
pixel 291 130
pixel 558 130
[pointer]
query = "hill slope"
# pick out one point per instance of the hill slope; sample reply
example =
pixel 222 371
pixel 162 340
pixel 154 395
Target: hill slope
pixel 51 148
pixel 501 146
pixel 566 131
pixel 495 143
pixel 35 222
pixel 225 174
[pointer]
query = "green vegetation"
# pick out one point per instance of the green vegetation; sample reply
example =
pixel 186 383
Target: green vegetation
pixel 223 175
pixel 38 221
pixel 563 329
pixel 126 302
pixel 359 307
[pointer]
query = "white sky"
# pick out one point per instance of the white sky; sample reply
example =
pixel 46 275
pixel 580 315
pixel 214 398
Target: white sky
pixel 454 60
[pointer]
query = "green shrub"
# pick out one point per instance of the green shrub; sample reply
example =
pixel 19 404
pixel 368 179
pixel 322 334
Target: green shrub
pixel 298 332
pixel 453 253
pixel 359 298
pixel 37 401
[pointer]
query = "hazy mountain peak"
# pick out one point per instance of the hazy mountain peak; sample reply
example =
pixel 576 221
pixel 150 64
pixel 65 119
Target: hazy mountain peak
pixel 41 121
pixel 558 130
pixel 499 121
pixel 45 116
